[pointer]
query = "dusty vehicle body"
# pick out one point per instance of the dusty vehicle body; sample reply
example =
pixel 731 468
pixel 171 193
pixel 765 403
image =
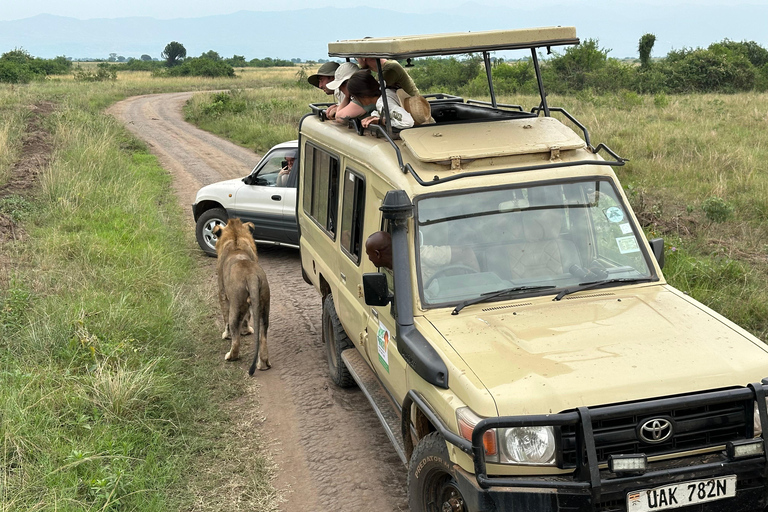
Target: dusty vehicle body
pixel 542 363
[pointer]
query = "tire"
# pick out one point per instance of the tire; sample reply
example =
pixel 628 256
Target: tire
pixel 431 485
pixel 205 224
pixel 335 341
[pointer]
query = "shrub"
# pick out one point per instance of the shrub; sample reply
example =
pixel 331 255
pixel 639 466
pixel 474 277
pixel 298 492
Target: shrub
pixel 445 75
pixel 104 72
pixel 708 71
pixel 201 67
pixel 717 209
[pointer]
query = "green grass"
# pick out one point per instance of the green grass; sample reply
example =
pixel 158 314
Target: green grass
pixel 111 387
pixel 697 175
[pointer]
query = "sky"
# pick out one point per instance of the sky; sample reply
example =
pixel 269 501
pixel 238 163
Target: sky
pixel 170 9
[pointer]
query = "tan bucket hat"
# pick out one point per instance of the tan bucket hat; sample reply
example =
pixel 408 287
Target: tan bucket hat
pixel 417 106
pixel 343 73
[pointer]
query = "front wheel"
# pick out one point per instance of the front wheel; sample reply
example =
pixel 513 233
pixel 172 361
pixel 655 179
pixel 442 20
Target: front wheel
pixel 431 485
pixel 204 229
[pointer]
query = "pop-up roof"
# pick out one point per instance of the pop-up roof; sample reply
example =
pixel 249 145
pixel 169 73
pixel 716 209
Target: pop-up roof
pixel 405 47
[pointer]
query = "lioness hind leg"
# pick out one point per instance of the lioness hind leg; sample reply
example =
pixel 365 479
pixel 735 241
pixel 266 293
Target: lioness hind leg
pixel 234 329
pixel 263 363
pixel 245 328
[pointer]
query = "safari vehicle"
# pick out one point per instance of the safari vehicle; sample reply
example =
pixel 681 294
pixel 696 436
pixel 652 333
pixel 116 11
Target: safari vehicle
pixel 524 351
pixel 259 198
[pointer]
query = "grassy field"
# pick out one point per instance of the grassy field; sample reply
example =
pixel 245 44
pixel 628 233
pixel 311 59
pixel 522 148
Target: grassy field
pixel 112 392
pixel 696 176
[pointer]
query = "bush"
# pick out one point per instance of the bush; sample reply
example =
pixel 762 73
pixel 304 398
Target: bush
pixel 19 67
pixel 104 72
pixel 445 75
pixel 717 209
pixel 200 67
pixel 269 62
pixel 711 70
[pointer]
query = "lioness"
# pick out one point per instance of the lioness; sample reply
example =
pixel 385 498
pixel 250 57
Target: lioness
pixel 242 286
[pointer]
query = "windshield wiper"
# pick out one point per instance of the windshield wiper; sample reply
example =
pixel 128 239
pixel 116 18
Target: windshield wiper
pixel 498 293
pixel 595 284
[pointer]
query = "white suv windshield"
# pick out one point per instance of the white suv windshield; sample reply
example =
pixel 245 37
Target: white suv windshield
pixel 554 236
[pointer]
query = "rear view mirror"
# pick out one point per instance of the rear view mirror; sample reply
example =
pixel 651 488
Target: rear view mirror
pixel 657 246
pixel 375 289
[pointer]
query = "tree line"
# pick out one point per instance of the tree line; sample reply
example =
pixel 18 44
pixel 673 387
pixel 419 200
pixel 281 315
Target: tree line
pixel 725 67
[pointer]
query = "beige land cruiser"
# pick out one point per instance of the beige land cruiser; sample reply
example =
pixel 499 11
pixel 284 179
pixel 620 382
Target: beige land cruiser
pixel 524 351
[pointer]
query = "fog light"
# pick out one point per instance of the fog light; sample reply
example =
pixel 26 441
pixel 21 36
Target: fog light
pixel 744 449
pixel 635 463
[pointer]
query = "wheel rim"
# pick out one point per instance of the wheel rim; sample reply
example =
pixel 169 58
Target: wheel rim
pixel 207 231
pixel 330 339
pixel 442 494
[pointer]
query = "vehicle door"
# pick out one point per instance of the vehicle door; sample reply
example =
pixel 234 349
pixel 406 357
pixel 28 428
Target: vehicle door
pixel 265 197
pixel 381 343
pixel 349 302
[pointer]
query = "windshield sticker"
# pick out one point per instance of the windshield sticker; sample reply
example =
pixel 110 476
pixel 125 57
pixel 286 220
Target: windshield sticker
pixel 382 339
pixel 626 228
pixel 627 244
pixel 614 214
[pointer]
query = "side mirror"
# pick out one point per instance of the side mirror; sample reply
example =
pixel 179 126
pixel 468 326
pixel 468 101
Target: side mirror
pixel 248 179
pixel 375 289
pixel 657 246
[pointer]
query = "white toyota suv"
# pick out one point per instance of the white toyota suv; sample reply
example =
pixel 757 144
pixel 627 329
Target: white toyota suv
pixel 260 198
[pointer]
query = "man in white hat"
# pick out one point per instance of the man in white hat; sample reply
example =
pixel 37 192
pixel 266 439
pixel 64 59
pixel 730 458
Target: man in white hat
pixel 346 109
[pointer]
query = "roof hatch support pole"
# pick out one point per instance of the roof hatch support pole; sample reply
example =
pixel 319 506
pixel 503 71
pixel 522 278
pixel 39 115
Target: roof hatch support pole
pixel 489 74
pixel 384 98
pixel 536 67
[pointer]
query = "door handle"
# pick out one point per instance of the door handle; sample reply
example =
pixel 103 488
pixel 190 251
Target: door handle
pixel 276 197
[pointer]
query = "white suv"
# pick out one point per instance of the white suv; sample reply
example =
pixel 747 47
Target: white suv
pixel 259 198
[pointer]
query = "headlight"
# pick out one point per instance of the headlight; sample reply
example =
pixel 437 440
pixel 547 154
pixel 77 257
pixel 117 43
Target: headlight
pixel 522 445
pixel 529 445
pixel 758 427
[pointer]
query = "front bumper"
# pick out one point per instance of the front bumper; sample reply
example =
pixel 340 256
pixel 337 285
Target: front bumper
pixel 555 494
pixel 593 488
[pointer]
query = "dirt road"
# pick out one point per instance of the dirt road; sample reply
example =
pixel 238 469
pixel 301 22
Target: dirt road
pixel 331 452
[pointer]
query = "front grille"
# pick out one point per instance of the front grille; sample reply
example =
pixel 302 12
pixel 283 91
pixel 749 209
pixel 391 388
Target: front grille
pixel 695 428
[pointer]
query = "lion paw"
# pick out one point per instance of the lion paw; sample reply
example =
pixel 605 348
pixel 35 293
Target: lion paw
pixel 263 365
pixel 225 335
pixel 247 331
pixel 230 356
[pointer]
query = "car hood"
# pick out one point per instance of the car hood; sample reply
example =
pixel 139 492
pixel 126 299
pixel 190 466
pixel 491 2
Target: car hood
pixel 215 189
pixel 543 356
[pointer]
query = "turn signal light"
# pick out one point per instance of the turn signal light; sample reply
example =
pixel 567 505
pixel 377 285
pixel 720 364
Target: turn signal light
pixel 744 449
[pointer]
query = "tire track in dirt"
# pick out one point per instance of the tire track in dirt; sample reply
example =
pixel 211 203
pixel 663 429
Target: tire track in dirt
pixel 331 452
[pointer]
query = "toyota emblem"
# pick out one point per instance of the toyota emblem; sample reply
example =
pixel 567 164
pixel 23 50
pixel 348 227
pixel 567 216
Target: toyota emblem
pixel 656 430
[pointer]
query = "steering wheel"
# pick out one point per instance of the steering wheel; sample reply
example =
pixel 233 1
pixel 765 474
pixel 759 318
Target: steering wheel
pixel 466 269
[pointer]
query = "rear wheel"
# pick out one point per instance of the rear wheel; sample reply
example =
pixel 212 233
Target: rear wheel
pixel 204 229
pixel 431 485
pixel 336 341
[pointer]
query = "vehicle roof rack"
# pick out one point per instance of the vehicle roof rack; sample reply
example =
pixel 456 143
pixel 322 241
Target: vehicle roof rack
pixel 405 47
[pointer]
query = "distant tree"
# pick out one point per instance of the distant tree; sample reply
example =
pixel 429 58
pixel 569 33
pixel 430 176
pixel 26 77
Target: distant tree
pixel 112 57
pixel 237 61
pixel 212 55
pixel 146 58
pixel 174 53
pixel 18 55
pixel 644 48
pixel 296 60
pixel 120 58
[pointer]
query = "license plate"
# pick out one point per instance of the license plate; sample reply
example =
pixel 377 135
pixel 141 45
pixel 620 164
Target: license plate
pixel 681 495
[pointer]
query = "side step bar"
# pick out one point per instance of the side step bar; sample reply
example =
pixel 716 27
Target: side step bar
pixel 386 409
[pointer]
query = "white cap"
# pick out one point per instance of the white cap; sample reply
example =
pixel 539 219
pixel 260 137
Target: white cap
pixel 343 73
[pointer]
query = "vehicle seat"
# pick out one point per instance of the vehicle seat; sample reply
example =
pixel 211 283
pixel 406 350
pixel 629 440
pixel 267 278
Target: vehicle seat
pixel 542 253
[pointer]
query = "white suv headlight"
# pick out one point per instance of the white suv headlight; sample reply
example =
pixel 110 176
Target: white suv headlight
pixel 528 445
pixel 758 426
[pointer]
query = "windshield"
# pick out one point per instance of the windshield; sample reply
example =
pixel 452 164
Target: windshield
pixel 554 236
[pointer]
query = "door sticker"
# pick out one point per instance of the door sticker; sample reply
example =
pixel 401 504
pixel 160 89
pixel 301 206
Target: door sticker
pixel 625 228
pixel 614 214
pixel 627 244
pixel 382 341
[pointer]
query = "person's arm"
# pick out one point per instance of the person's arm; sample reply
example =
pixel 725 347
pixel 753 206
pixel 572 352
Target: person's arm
pixel 350 111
